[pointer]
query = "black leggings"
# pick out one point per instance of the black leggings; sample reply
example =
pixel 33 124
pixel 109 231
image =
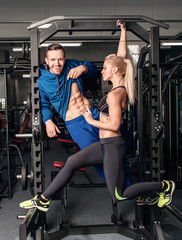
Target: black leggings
pixel 111 153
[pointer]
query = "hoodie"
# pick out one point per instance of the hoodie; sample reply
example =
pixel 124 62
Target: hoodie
pixel 55 89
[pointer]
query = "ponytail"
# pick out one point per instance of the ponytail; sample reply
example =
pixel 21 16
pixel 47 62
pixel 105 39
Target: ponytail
pixel 126 69
pixel 129 81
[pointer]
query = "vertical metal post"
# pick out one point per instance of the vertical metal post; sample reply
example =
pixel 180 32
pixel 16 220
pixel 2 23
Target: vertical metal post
pixel 37 149
pixel 140 109
pixel 155 108
pixel 140 123
pixel 7 135
pixel 177 110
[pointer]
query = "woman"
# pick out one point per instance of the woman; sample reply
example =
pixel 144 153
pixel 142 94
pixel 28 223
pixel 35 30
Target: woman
pixel 111 149
pixel 120 72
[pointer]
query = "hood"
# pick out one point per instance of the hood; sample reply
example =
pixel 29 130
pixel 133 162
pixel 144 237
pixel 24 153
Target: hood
pixel 48 77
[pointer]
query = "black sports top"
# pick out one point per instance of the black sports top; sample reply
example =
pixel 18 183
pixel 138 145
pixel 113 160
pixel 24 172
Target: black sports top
pixel 103 106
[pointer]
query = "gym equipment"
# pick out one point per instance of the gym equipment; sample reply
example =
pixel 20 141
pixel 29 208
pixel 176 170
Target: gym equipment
pixel 6 150
pixel 29 103
pixel 97 23
pixel 25 177
pixel 25 49
pixel 35 135
pixel 10 142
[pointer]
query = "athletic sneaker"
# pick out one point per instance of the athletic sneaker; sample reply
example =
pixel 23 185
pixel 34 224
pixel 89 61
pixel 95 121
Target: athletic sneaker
pixel 118 197
pixel 147 200
pixel 165 197
pixel 35 203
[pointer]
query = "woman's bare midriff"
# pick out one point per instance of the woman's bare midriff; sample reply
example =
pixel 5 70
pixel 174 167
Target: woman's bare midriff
pixel 76 104
pixel 105 133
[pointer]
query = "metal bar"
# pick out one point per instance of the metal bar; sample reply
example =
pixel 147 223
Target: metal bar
pixel 140 122
pixel 7 134
pixel 52 30
pixel 174 214
pixel 177 115
pixel 169 78
pixel 19 153
pixel 94 229
pixel 155 106
pixel 157 231
pixel 139 31
pixel 37 149
pixel 170 125
pixel 126 17
pixel 31 22
pixel 28 224
pixel 144 51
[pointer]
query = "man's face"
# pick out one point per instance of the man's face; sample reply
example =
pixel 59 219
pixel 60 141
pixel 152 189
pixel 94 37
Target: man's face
pixel 55 60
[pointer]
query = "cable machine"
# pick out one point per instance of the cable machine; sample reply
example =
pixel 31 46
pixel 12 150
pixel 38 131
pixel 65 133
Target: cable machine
pixel 35 221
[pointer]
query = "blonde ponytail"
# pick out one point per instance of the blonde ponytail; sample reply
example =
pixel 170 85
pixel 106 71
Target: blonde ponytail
pixel 129 81
pixel 126 69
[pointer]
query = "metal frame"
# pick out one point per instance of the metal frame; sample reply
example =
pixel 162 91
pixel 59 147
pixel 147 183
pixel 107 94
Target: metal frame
pixel 35 223
pixel 155 114
pixel 94 23
pixel 7 147
pixel 170 94
pixel 67 24
pixel 6 151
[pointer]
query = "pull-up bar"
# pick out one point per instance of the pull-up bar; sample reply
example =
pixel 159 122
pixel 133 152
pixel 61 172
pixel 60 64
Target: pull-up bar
pixel 135 18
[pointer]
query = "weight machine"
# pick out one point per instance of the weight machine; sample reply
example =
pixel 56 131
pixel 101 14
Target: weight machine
pixel 10 146
pixel 35 222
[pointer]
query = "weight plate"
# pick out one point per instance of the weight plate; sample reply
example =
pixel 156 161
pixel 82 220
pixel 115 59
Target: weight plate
pixel 24 171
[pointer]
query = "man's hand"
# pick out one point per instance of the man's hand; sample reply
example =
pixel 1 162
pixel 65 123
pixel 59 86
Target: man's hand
pixel 76 72
pixel 51 129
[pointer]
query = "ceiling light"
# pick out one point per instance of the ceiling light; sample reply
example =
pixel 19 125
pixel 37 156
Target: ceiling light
pixel 17 49
pixel 26 75
pixel 171 43
pixel 73 44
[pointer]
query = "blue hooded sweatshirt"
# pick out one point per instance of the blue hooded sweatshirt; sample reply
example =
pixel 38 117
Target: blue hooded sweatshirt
pixel 55 89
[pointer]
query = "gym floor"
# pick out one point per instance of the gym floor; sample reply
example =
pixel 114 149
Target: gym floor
pixel 85 206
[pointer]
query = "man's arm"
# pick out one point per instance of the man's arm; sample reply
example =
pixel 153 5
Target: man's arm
pixel 51 128
pixel 84 67
pixel 122 47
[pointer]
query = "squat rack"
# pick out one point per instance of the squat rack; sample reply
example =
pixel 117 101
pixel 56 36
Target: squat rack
pixel 99 23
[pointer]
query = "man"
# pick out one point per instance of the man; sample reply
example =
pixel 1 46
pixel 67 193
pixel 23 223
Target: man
pixel 62 88
pixel 60 85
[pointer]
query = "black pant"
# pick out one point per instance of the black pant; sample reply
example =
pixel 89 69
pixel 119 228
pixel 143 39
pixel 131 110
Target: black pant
pixel 111 153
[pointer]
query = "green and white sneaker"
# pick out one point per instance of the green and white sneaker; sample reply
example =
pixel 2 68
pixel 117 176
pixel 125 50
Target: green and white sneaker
pixel 118 197
pixel 147 200
pixel 35 203
pixel 165 197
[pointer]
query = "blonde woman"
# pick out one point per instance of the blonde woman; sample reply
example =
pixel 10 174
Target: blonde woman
pixel 120 72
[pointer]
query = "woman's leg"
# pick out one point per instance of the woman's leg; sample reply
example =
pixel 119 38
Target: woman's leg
pixel 89 156
pixel 114 164
pixel 141 188
pixel 115 172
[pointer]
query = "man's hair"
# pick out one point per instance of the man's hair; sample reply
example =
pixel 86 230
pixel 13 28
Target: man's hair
pixel 55 46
